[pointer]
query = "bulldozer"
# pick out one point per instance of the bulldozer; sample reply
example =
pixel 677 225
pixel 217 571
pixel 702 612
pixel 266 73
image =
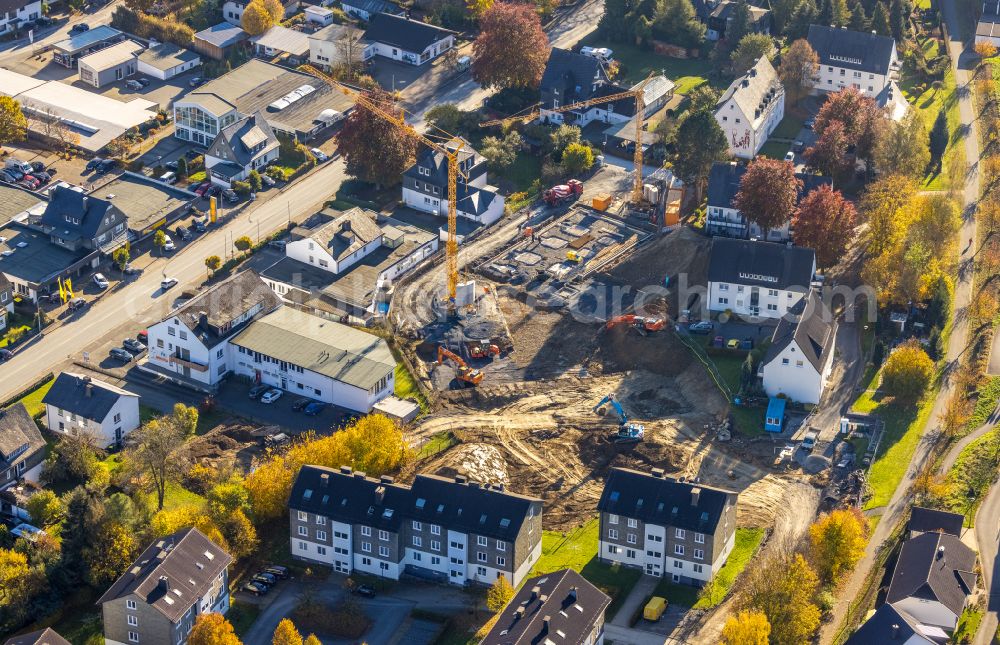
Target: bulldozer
pixel 642 324
pixel 466 375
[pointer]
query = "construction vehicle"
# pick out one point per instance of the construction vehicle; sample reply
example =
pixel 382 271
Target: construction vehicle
pixel 642 324
pixel 563 192
pixel 482 350
pixel 637 93
pixel 574 256
pixel 465 374
pixel 451 148
pixel 628 431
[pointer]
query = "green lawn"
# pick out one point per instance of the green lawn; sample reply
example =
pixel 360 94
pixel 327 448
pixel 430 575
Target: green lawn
pixel 903 427
pixel 406 387
pixel 242 615
pixel 747 541
pixel 968 625
pixel 749 421
pixel 577 550
pixel 637 64
pixel 987 396
pixel 789 128
pixel 177 496
pixel 5 340
pixel 525 170
pixel 33 401
pixel 775 149
pixel 971 476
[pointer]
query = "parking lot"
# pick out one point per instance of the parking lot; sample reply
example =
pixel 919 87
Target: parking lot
pixel 234 395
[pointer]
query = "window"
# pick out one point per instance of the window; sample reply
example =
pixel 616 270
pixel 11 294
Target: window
pixel 501 545
pixel 118 418
pixel 435 529
pixel 481 556
pixel 303 531
pixel 320 535
pixel 366 547
pixel 501 561
pixel 772 307
pixel 698 568
pixel 303 516
pixel 699 554
pixel 772 292
pixel 383 535
pixel 184 335
pixel 798 363
pixel 171 331
pixel 633 523
pixel 613 534
pixel 418 556
pixel 366 531
pixel 482 541
pixel 321 520
pixel 435 545
pixel 129 604
pixel 417 541
pixel 321 550
pixel 133 637
pixel 383 552
pixel 678 549
pixel 435 560
pixel 612 519
pixel 133 620
pixel 784 361
pixel 612 549
pixel 723 301
pixel 654 538
pixel 680 534
pixel 678 564
pixel 218 354
pixel 699 538
pixel 630 553
pixel 480 571
pixel 417 526
pixel 366 561
pixel 631 538
pixel 723 287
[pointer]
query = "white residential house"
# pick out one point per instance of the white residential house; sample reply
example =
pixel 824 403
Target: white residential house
pixel 164 61
pixel 339 45
pixel 756 280
pixel 865 61
pixel 799 361
pixel 751 109
pixel 425 186
pixel 410 41
pixel 80 404
pixel 191 344
pixel 664 526
pixel 16 12
pixel 6 300
pixel 246 145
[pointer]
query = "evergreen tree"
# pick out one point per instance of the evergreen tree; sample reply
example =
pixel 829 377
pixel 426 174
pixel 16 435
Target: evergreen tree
pixel 825 12
pixel 859 19
pixel 898 15
pixel 614 23
pixel 880 20
pixel 939 138
pixel 841 14
pixel 741 23
pixel 805 15
pixel 84 512
pixel 781 15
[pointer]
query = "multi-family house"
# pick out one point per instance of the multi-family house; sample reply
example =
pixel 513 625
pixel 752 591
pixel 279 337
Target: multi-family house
pixel 758 279
pixel 437 528
pixel 862 60
pixel 889 624
pixel 17 12
pixel 722 218
pixel 47 636
pixel 425 186
pixel 335 45
pixel 80 404
pixel 665 526
pixel 232 10
pixel 751 108
pixel 191 343
pixel 79 222
pixel 569 78
pixel 157 600
pixel 561 606
pixel 403 39
pixel 799 360
pixel 248 144
pixel 22 448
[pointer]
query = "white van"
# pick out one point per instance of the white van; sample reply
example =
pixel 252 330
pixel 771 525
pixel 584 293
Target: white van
pixel 602 54
pixel 169 177
pixel 22 166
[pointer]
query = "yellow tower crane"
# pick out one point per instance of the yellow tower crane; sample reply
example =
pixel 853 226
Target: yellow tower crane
pixel 640 107
pixel 451 149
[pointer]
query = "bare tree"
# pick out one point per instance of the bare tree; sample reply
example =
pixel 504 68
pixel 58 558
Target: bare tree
pixel 156 451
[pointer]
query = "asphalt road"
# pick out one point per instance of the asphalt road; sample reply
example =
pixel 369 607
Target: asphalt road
pixel 17 49
pixel 142 301
pixel 963 63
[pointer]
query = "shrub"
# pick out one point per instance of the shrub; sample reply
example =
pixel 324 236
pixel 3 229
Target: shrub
pixel 241 188
pixel 908 371
pixel 277 173
pixel 255 181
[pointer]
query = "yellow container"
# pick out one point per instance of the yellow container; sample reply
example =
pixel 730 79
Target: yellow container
pixel 654 608
pixel 602 201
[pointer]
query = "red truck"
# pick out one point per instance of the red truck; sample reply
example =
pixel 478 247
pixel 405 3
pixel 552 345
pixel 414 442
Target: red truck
pixel 563 192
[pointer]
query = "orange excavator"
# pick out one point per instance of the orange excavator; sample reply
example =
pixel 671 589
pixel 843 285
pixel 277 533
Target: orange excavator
pixel 642 324
pixel 466 374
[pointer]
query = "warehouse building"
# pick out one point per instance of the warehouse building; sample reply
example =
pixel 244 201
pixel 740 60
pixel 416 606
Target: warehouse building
pixel 67 52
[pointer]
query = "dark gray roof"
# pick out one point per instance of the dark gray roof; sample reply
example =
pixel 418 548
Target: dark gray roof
pixel 755 90
pixel 213 315
pixel 409 35
pixel 15 200
pixel 372 6
pixel 222 35
pixel 354 498
pixel 991 10
pixel 664 501
pixel 764 264
pixel 571 604
pixel 857 50
pixel 344 233
pixel 470 161
pixel 47 636
pixel 934 566
pixel 189 562
pixel 87 214
pixel 928 520
pixel 38 260
pixel 811 326
pixel 165 56
pixel 19 435
pixel 84 396
pixel 724 183
pixel 888 624
pixel 572 74
pixel 237 141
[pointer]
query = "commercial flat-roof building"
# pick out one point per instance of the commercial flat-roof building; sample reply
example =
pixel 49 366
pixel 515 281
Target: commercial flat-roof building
pixel 88 119
pixel 166 60
pixel 33 263
pixel 15 202
pixel 293 103
pixel 148 204
pixel 114 63
pixel 280 40
pixel 67 52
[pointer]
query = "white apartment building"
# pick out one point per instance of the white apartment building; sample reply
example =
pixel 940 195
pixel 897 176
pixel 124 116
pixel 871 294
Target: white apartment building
pixel 78 403
pixel 758 279
pixel 799 360
pixel 865 61
pixel 751 109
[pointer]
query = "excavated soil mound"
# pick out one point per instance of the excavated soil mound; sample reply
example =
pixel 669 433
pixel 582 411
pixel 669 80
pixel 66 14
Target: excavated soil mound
pixel 622 349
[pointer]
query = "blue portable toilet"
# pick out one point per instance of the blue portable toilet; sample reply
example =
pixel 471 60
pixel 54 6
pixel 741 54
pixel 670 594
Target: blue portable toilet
pixel 775 418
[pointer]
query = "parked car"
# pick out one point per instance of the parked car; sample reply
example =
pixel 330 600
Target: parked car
pixel 166 283
pixel 230 195
pixel 809 441
pixel 15 173
pixel 733 343
pixel 718 341
pixel 133 84
pixel 5 355
pixel 266 578
pixel 199 224
pixel 169 177
pixel 168 244
pixel 171 165
pixel 100 281
pixel 79 28
pixel 314 408
pixel 202 188
pixel 143 81
pixel 41 176
pixel 790 156
pixel 301 403
pixel 37 166
pixel 183 233
pixel 268 180
pixel 30 182
pixel 212 191
pixel 255 589
pixel 105 166
pixel 93 164
pixel 702 327
pixel 257 580
pixel 746 343
pixel 271 396
pixel 76 304
pixel 277 571
pixel 120 354
pixel 143 337
pixel 319 154
pixel 196 81
pixel 365 590
pixel 809 123
pixel 131 270
pixel 7 176
pixel 798 146
pixel 257 390
pixel 133 346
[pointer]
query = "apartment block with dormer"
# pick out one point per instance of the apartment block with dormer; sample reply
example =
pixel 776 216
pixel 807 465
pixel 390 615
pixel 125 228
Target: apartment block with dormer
pixel 751 109
pixel 665 526
pixel 865 61
pixel 443 529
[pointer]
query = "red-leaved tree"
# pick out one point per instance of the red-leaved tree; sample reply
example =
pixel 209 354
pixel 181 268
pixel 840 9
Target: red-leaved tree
pixel 829 154
pixel 825 222
pixel 860 116
pixel 768 192
pixel 512 49
pixel 375 150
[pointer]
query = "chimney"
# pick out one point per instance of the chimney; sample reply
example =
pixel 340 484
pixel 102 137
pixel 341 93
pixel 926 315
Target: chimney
pixel 460 479
pixel 345 226
pixel 940 552
pixel 359 475
pixel 345 470
pixel 164 584
pixel 546 622
pixel 324 480
pixel 534 593
pixel 386 479
pixel 695 495
pixel 572 594
pixel 473 484
pixel 88 390
pixel 895 628
pixel 379 494
pixel 658 473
